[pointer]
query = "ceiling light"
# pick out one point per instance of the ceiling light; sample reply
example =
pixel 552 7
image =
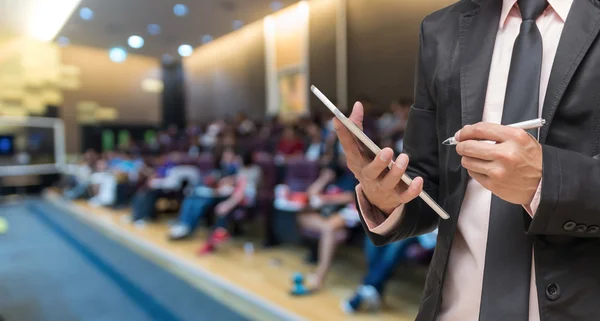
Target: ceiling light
pixel 117 54
pixel 276 5
pixel 237 24
pixel 47 18
pixel 206 39
pixel 135 42
pixel 63 41
pixel 153 29
pixel 86 13
pixel 180 10
pixel 185 50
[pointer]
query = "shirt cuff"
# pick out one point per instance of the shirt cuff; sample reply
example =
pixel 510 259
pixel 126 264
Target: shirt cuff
pixel 376 221
pixel 535 202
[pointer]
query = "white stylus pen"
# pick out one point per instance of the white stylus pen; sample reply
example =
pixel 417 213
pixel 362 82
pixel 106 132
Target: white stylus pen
pixel 375 149
pixel 528 124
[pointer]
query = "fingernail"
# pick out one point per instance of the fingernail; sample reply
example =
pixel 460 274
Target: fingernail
pixel 384 156
pixel 401 162
pixel 457 136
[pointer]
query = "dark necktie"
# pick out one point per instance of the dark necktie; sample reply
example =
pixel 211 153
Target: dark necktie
pixel 507 272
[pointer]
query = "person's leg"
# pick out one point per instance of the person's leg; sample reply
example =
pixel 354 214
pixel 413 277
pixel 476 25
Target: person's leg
pixel 77 191
pixel 311 221
pixel 381 262
pixel 382 270
pixel 139 205
pixel 327 247
pixel 219 234
pixel 146 204
pixel 372 253
pixel 341 198
pixel 192 210
pixel 136 203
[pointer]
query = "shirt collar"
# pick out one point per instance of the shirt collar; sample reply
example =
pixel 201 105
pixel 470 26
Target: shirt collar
pixel 561 7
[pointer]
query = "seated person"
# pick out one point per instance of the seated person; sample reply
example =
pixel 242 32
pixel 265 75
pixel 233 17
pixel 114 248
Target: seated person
pixel 145 198
pixel 103 185
pixel 172 175
pixel 127 171
pixel 247 183
pixel 333 194
pixel 316 145
pixel 80 176
pixel 169 177
pixel 216 186
pixel 290 145
pixel 381 262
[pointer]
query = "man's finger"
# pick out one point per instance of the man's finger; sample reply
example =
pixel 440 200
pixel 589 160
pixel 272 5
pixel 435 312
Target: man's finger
pixel 486 131
pixel 378 165
pixel 358 114
pixel 482 179
pixel 477 149
pixel 476 165
pixel 347 140
pixel 391 179
pixel 413 190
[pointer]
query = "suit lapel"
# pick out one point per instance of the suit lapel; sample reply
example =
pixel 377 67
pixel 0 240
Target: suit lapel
pixel 477 36
pixel 580 30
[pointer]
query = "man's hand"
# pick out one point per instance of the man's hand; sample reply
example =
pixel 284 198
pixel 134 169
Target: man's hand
pixel 511 168
pixel 381 186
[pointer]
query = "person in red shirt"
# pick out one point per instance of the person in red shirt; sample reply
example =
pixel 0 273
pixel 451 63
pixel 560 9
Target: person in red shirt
pixel 290 143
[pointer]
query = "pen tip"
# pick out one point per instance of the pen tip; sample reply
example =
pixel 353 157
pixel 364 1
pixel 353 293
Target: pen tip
pixel 312 87
pixel 447 141
pixel 543 122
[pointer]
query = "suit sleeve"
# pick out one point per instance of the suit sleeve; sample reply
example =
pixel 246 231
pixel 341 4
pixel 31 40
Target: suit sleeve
pixel 569 204
pixel 421 144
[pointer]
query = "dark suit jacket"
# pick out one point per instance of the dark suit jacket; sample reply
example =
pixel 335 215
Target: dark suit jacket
pixel 456 47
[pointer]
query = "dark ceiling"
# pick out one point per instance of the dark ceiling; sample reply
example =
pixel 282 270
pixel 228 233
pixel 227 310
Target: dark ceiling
pixel 115 20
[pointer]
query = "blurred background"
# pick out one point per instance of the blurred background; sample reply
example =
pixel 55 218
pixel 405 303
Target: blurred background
pixel 165 159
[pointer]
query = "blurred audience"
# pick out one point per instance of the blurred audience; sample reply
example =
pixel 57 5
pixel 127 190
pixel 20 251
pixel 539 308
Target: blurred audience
pixel 211 171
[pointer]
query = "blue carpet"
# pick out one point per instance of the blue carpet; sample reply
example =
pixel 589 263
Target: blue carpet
pixel 53 267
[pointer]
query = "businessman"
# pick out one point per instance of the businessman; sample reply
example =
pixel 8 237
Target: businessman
pixel 523 238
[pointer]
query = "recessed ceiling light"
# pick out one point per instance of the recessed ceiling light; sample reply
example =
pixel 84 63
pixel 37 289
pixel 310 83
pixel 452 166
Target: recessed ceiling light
pixel 180 10
pixel 86 13
pixel 185 50
pixel 237 24
pixel 135 42
pixel 153 29
pixel 206 39
pixel 276 5
pixel 117 54
pixel 63 41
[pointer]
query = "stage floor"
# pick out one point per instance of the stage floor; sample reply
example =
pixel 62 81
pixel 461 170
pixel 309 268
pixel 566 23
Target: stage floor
pixel 55 268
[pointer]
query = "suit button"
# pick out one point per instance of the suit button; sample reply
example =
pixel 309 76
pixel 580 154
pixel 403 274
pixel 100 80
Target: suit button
pixel 593 229
pixel 581 228
pixel 552 291
pixel 569 226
